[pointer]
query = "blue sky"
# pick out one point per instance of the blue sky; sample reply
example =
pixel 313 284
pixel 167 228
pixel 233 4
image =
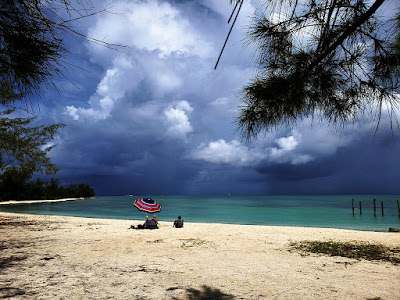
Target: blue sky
pixel 158 119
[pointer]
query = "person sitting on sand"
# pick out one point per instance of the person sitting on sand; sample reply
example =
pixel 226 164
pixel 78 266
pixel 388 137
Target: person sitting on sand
pixel 178 223
pixel 150 224
pixel 155 219
pixel 146 220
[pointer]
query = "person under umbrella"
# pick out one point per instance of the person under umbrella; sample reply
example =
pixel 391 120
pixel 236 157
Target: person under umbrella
pixel 148 224
pixel 155 219
pixel 149 206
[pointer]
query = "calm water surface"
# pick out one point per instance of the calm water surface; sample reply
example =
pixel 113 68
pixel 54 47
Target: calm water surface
pixel 309 211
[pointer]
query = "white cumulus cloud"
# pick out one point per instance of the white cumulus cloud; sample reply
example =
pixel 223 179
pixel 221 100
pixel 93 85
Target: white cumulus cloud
pixel 177 121
pixel 151 26
pixel 234 153
pixel 115 83
pixel 162 41
pixel 286 151
pixel 287 143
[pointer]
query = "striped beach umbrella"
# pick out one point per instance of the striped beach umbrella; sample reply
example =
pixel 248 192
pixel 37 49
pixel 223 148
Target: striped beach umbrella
pixel 147 205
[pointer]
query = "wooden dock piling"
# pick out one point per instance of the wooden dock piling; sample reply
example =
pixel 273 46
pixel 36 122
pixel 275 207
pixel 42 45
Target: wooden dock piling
pixel 398 207
pixel 353 208
pixel 375 207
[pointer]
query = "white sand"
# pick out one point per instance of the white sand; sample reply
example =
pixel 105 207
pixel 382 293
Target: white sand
pixel 15 202
pixel 52 257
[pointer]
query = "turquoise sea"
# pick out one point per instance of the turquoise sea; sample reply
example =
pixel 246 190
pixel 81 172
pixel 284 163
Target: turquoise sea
pixel 309 211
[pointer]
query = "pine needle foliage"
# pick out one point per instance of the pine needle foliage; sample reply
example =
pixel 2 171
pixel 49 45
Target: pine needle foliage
pixel 31 57
pixel 30 51
pixel 330 59
pixel 26 146
pixel 31 44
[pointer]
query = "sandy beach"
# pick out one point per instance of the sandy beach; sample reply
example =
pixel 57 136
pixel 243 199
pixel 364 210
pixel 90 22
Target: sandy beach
pixel 20 202
pixel 53 257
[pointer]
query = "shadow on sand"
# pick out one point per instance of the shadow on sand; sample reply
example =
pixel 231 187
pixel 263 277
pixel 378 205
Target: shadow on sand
pixel 6 262
pixel 207 293
pixel 12 252
pixel 10 292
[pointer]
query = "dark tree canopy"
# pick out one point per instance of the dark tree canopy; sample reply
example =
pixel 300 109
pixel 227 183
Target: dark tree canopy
pixel 331 59
pixel 13 183
pixel 16 184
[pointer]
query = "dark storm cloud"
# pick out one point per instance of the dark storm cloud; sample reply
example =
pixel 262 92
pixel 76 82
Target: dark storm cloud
pixel 366 167
pixel 160 120
pixel 289 172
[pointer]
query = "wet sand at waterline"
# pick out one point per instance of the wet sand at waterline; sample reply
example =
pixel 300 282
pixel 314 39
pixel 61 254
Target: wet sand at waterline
pixel 55 257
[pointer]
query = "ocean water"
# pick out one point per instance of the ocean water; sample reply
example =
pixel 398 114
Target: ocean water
pixel 309 211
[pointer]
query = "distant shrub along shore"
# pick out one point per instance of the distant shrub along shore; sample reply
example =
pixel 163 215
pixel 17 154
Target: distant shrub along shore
pixel 12 189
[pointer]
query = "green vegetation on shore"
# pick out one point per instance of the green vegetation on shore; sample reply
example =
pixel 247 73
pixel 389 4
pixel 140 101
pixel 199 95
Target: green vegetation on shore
pixel 16 184
pixel 356 250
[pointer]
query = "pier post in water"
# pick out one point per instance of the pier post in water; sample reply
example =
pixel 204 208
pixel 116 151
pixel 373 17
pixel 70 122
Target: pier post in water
pixel 398 207
pixel 375 207
pixel 352 205
pixel 382 207
pixel 360 209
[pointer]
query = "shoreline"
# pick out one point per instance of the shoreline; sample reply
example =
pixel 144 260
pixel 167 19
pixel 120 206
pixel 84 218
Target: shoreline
pixel 15 202
pixel 140 221
pixel 54 257
pixel 378 227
